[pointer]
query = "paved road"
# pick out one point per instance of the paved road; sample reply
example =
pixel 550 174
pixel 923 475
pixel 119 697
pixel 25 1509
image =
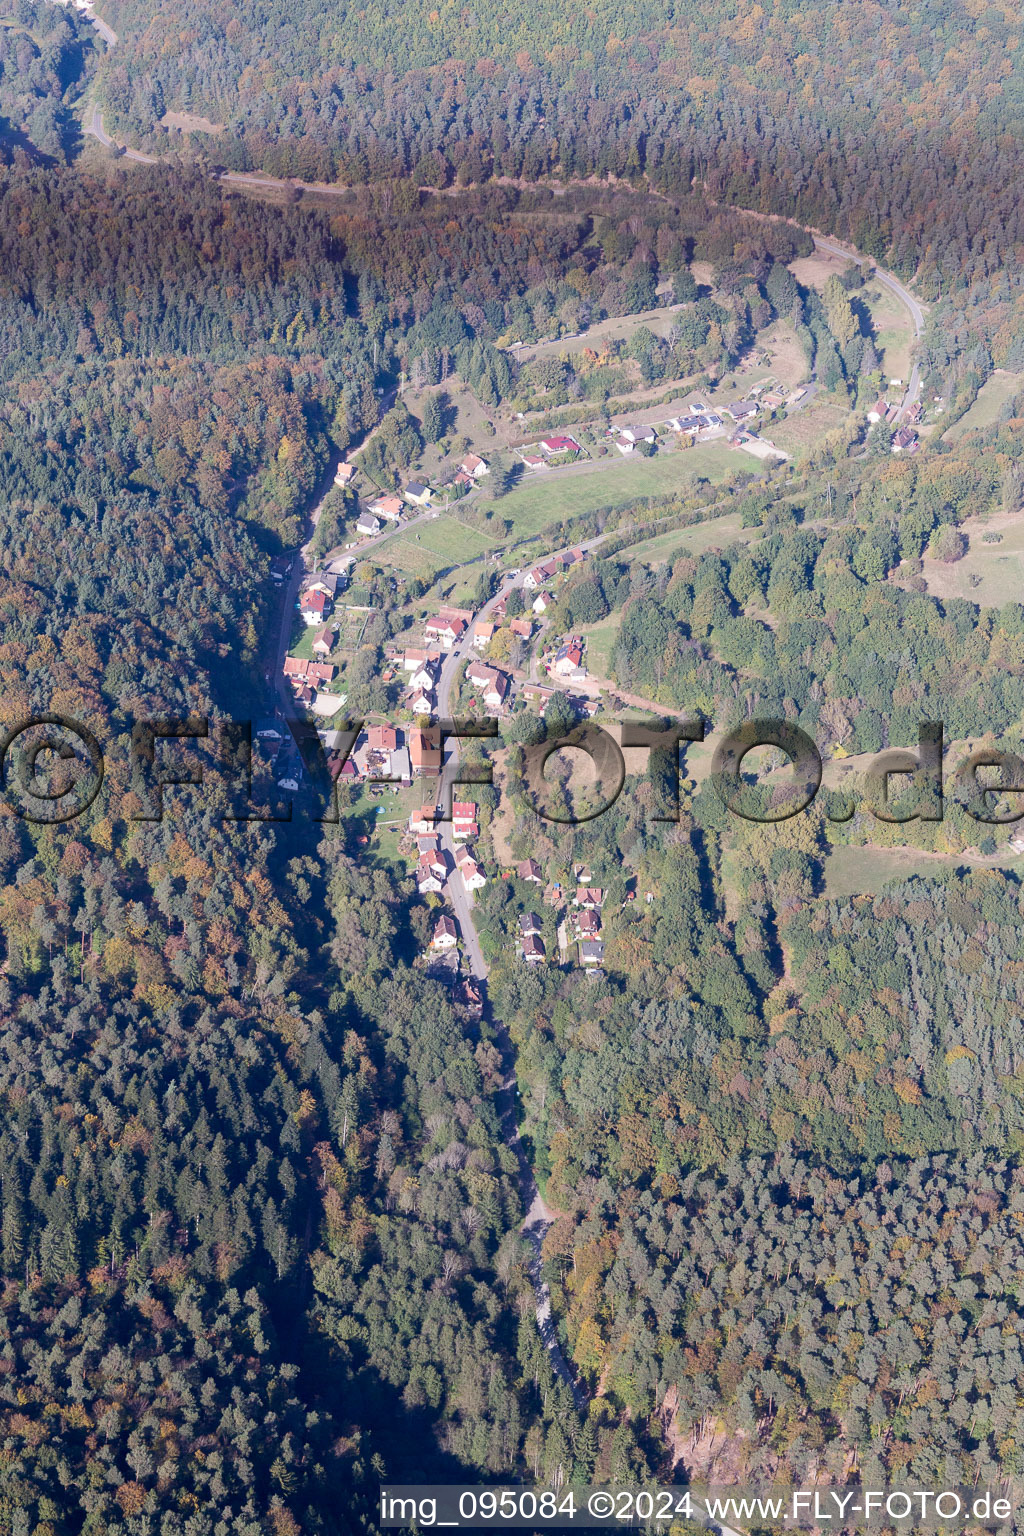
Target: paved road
pixel 906 298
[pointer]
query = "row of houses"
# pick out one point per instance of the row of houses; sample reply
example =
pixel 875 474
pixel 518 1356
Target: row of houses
pixel 584 920
pixel 424 667
pixel 904 440
pixel 390 507
pixel 432 868
pixel 539 576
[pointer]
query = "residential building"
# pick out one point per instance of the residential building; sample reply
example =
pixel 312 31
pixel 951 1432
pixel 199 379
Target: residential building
pixel 529 922
pixel 324 641
pixel 542 602
pixel 344 474
pixel 444 630
pixel 420 703
pixel 414 657
pixel 591 952
pixel 533 950
pixel 367 524
pixel 590 898
pixel 314 607
pixel 479 674
pixel 529 869
pixel 483 633
pixel 473 877
pixel 382 738
pixel 588 925
pixel 446 935
pixel 568 661
pixel 633 435
pixel 427 882
pixel 388 507
pixel 425 751
pixel 741 410
pixel 424 821
pixel 521 628
pixel 904 440
pixel 474 466
pixel 464 819
pixel 556 445
pixel 688 425
pixel 418 494
pixel 878 411
pixel 423 678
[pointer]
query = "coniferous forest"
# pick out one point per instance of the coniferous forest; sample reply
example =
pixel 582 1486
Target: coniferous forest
pixel 264 1171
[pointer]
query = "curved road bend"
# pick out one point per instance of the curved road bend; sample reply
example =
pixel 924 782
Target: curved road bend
pixel 906 298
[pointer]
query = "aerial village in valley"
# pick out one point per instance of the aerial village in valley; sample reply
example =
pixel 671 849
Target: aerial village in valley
pixel 436 593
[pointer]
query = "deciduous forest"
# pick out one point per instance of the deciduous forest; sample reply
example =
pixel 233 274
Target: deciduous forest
pixel 260 1218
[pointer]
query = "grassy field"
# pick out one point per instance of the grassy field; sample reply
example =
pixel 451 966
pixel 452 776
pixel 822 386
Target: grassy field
pixel 434 546
pixel 543 499
pixel 999 568
pixel 717 532
pixel 601 643
pixel 894 330
pixel 618 328
pixel 991 397
pixel 814 271
pixel 802 430
pixel 863 871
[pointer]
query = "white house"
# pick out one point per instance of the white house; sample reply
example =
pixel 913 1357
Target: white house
pixel 464 823
pixel 368 524
pixel 446 934
pixel 638 434
pixel 480 675
pixel 688 425
pixel 444 631
pixel 427 881
pixel 388 507
pixel 423 679
pixel 495 693
pixel 314 607
pixel 741 410
pixel 473 877
pixel 474 466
